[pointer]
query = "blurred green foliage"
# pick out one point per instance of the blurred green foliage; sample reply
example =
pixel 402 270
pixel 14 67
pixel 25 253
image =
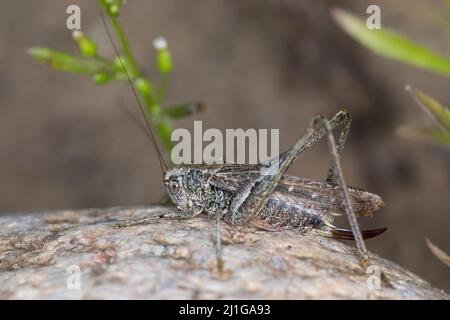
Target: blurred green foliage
pixel 102 70
pixel 391 44
pixel 439 134
pixel 395 46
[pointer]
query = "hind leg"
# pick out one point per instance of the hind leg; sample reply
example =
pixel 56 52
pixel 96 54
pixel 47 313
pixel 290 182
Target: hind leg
pixel 338 174
pixel 342 118
pixel 253 196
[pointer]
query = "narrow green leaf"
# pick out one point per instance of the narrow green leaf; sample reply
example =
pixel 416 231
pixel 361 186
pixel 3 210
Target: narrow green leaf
pixel 429 135
pixel 66 62
pixel 436 111
pixel 390 44
pixel 185 109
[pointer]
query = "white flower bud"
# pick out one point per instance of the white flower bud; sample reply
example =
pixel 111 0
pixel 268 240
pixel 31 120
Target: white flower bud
pixel 160 43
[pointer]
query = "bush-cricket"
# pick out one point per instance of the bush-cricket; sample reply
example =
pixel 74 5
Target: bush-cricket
pixel 241 195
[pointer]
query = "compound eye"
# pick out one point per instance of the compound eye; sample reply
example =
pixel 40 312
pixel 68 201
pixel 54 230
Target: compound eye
pixel 173 186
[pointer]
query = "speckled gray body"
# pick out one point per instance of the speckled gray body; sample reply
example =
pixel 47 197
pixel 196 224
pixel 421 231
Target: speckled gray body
pixel 296 203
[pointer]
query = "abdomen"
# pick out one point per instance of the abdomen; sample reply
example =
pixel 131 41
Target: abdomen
pixel 280 212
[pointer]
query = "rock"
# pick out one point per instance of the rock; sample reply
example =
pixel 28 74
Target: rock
pixel 138 253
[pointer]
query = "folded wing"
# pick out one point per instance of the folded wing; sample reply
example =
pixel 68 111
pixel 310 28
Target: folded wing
pixel 327 197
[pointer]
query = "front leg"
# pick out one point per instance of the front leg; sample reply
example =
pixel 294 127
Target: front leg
pixel 180 214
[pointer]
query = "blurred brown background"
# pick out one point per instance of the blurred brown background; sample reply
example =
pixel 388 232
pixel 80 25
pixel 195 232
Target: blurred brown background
pixel 64 143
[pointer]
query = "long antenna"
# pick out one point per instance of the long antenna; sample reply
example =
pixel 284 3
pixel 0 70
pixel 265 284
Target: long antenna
pixel 133 118
pixel 150 134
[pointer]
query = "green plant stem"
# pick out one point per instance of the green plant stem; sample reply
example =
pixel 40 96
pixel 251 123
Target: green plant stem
pixel 164 86
pixel 125 46
pixel 163 125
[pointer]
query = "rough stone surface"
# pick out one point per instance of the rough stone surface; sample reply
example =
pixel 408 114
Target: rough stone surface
pixel 137 253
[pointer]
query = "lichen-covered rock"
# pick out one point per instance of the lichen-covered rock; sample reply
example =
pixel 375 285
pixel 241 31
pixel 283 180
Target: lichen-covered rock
pixel 137 253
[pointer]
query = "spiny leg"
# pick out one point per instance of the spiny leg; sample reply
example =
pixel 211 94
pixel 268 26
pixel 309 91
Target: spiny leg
pixel 253 196
pixel 324 123
pixel 342 118
pixel 346 122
